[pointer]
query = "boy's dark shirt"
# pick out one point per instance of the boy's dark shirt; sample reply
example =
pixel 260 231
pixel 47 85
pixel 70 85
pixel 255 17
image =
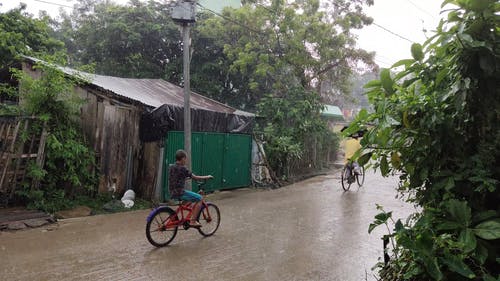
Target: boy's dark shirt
pixel 177 175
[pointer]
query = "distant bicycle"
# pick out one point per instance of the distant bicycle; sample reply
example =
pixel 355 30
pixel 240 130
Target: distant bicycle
pixel 349 176
pixel 163 222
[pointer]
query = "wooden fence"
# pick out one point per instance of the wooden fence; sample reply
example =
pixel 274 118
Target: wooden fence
pixel 22 143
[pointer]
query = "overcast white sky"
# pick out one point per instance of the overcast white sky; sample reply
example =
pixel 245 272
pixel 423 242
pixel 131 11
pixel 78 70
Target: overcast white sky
pixel 407 18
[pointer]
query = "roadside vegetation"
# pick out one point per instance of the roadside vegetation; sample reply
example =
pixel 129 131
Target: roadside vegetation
pixel 436 127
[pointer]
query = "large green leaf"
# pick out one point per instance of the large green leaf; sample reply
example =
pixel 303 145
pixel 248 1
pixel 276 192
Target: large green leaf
pixel 383 217
pixel 459 211
pixel 372 84
pixel 489 230
pixel 416 51
pixel 431 266
pixel 384 166
pixel 457 265
pixel 395 160
pixel 386 80
pixel 406 62
pixel 371 227
pixel 481 253
pixel 468 239
pixel 364 158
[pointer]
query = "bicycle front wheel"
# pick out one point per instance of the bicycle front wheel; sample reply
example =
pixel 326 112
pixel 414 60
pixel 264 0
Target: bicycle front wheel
pixel 162 228
pixel 361 177
pixel 209 218
pixel 346 183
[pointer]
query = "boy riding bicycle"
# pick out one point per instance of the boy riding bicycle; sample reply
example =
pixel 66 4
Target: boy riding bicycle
pixel 177 175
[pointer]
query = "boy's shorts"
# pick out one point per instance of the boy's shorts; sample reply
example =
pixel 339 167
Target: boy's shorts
pixel 190 196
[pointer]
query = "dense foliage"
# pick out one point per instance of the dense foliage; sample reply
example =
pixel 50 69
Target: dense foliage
pixel 437 126
pixel 270 46
pixel 69 163
pixel 20 34
pixel 138 40
pixel 294 130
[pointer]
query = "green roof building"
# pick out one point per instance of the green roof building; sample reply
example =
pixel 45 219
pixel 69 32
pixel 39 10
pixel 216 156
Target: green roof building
pixel 332 112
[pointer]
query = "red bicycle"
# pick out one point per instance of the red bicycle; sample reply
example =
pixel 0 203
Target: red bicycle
pixel 163 222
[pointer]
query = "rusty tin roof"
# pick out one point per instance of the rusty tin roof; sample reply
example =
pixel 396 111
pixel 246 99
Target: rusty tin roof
pixel 150 92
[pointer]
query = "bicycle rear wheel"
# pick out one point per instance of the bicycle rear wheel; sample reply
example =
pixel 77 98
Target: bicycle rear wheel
pixel 346 183
pixel 361 177
pixel 162 227
pixel 209 218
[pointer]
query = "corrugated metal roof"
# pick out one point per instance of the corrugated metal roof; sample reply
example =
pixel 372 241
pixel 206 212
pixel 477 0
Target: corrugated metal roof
pixel 150 92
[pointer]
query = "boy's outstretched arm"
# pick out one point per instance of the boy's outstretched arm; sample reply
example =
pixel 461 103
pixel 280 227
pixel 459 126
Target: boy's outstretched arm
pixel 198 178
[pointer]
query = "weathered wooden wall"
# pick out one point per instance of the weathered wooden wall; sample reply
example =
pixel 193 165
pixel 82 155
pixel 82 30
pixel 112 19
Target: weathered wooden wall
pixel 148 169
pixel 111 128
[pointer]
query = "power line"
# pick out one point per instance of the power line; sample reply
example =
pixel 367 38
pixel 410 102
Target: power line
pixel 52 3
pixel 421 9
pixel 339 6
pixel 230 20
pixel 392 32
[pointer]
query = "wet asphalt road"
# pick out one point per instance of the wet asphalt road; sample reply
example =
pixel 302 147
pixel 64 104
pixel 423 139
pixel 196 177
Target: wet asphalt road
pixel 311 230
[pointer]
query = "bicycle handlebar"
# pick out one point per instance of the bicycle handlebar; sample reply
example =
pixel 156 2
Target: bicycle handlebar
pixel 200 185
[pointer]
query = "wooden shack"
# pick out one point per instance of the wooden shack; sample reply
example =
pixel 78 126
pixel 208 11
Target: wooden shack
pixel 111 122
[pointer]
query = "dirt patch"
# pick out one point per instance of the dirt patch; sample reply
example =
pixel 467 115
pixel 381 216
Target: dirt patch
pixel 79 211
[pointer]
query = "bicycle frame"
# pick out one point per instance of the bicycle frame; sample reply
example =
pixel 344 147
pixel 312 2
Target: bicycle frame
pixel 178 219
pixel 350 166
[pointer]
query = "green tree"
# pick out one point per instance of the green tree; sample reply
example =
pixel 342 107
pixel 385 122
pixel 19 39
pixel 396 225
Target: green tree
pixel 437 126
pixel 138 40
pixel 21 34
pixel 271 45
pixel 292 128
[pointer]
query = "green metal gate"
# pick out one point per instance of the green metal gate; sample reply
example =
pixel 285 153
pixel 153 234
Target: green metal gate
pixel 227 157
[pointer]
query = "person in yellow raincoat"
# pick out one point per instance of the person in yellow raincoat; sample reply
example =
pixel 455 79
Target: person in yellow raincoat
pixel 352 145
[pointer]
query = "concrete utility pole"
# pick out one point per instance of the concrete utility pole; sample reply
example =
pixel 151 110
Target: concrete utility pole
pixel 187 93
pixel 184 13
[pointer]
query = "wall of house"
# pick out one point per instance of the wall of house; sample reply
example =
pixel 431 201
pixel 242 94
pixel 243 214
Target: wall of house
pixel 148 170
pixel 111 128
